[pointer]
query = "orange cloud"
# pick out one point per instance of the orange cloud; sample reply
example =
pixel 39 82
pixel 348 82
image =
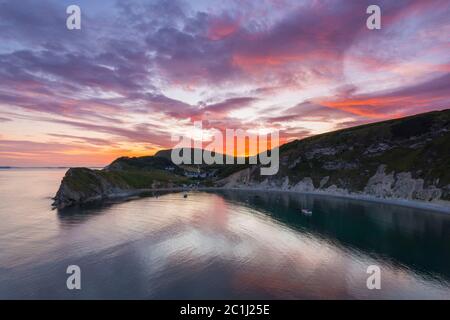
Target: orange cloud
pixel 366 107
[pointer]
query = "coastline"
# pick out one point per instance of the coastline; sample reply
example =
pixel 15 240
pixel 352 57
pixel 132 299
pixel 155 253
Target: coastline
pixel 440 207
pixel 117 196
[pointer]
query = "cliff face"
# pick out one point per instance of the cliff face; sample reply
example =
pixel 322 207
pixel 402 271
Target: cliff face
pixel 81 185
pixel 405 158
pixel 122 177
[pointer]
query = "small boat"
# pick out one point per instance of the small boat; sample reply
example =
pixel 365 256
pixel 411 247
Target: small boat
pixel 307 212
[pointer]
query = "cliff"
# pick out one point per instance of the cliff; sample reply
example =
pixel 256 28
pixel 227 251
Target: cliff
pixel 407 158
pixel 122 177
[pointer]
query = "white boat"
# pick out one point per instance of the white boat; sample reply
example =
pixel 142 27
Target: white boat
pixel 307 212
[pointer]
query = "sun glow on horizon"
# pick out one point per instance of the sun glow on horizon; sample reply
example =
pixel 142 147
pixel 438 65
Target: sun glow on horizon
pixel 115 88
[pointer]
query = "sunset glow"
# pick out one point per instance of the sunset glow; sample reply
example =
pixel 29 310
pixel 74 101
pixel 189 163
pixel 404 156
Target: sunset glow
pixel 139 71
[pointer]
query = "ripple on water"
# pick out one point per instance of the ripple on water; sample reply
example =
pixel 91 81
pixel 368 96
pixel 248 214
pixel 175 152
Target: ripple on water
pixel 218 245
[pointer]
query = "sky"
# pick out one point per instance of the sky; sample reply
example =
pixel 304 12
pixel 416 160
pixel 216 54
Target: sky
pixel 139 71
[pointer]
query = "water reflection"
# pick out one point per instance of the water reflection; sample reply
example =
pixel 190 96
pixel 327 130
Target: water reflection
pixel 217 245
pixel 409 237
pixel 208 240
pixel 73 216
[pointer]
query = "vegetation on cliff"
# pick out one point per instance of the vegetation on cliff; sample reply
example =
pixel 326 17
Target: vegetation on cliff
pixel 408 155
pixel 406 158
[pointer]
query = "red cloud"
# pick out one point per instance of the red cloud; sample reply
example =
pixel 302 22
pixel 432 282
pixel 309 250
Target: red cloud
pixel 220 28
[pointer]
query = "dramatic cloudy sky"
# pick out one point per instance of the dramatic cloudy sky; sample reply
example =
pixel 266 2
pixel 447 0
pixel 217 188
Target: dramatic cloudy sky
pixel 139 71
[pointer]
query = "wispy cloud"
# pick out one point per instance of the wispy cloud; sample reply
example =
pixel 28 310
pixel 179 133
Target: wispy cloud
pixel 139 71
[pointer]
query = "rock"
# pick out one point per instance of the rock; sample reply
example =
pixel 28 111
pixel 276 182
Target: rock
pixel 380 185
pixel 333 189
pixel 405 186
pixel 237 179
pixel 330 151
pixel 430 194
pixel 305 185
pixel 295 163
pixel 377 148
pixel 323 181
pixel 81 185
pixel 339 165
pixel 285 185
pixel 400 186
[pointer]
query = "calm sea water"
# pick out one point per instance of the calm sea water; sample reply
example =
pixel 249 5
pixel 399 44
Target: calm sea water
pixel 216 245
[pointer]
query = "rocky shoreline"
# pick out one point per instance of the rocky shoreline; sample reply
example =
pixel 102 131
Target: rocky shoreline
pixel 113 196
pixel 440 206
pixel 82 185
pixel 403 160
pixel 393 186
